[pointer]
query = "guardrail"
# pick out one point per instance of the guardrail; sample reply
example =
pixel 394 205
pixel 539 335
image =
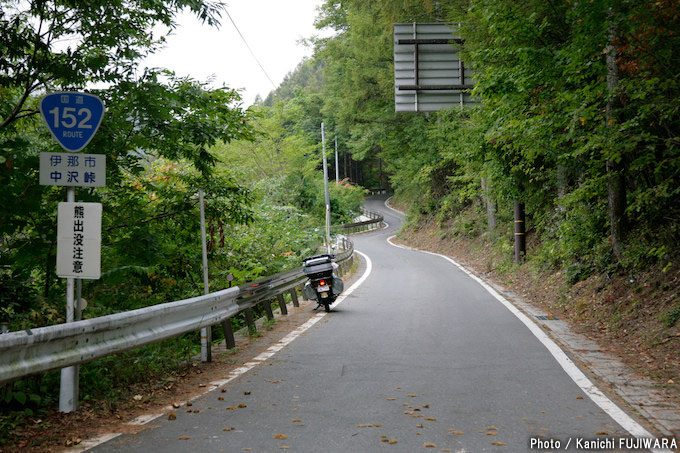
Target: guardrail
pixel 43 349
pixel 374 221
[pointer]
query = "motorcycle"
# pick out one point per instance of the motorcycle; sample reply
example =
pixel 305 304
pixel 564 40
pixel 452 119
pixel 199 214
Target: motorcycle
pixel 322 285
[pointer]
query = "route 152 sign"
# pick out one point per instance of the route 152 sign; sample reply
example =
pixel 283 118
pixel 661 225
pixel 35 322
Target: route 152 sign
pixel 72 117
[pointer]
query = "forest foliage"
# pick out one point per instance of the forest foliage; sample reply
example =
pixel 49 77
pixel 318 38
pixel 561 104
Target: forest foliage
pixel 577 117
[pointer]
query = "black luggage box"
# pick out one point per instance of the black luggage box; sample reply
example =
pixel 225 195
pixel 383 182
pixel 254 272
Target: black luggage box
pixel 318 266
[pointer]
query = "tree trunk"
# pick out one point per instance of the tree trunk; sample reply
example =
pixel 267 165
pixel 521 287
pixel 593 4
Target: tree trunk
pixel 562 184
pixel 616 182
pixel 520 233
pixel 490 206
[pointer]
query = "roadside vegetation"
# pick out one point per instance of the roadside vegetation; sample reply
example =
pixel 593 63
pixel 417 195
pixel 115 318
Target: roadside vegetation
pixel 165 137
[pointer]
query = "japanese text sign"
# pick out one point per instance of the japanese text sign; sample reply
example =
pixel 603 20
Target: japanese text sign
pixel 79 240
pixel 72 117
pixel 67 169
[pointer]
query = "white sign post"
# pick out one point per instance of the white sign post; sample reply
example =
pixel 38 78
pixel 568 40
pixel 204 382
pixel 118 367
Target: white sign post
pixel 73 118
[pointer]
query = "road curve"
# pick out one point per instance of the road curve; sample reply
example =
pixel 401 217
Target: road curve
pixel 420 357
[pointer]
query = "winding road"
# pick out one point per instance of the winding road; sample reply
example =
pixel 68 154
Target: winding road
pixel 418 357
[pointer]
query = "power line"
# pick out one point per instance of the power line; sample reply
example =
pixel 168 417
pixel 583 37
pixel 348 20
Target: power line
pixel 249 49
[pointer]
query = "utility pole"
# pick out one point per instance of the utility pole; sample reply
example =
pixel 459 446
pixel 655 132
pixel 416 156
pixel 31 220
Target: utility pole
pixel 325 187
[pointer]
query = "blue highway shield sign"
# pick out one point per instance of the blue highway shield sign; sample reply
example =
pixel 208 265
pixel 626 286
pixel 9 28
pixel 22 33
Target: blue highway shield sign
pixel 72 118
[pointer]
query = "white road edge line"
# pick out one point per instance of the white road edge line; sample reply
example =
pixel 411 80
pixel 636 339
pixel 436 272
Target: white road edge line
pixel 607 405
pixel 263 357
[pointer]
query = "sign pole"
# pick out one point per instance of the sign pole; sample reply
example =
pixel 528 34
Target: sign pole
pixel 325 187
pixel 206 332
pixel 68 387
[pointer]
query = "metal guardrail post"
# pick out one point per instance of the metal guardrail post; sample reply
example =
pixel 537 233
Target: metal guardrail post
pixel 267 304
pixel 228 334
pixel 282 304
pixel 250 321
pixel 294 297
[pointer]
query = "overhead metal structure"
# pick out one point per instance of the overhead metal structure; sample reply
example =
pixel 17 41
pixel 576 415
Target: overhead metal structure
pixel 428 72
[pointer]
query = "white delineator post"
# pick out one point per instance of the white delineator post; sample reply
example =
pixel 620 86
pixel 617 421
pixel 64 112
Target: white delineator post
pixel 206 332
pixel 325 187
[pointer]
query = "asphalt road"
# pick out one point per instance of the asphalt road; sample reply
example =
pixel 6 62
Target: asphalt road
pixel 419 357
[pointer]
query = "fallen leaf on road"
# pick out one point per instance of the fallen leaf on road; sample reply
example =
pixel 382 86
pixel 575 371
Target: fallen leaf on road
pixel 391 399
pixel 223 390
pixel 189 403
pixel 601 433
pixel 412 395
pixel 392 442
pixel 172 416
pixel 246 393
pixel 280 436
pixel 228 429
pixel 426 406
pixel 241 406
pixel 492 428
pixel 429 445
pixel 297 420
pixel 453 431
pixel 175 405
pixel 231 408
pixel 431 419
pixel 491 433
pixel 220 398
pixel 498 444
pixel 184 437
pixel 579 397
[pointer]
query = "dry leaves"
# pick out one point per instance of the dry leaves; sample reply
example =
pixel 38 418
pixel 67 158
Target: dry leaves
pixel 184 437
pixel 429 445
pixel 280 436
pixel 499 444
pixel 172 416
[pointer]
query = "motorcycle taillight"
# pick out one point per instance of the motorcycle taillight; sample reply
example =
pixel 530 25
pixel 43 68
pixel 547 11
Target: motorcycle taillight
pixel 322 283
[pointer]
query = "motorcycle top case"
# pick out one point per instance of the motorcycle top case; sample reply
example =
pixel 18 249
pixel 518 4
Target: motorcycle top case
pixel 318 266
